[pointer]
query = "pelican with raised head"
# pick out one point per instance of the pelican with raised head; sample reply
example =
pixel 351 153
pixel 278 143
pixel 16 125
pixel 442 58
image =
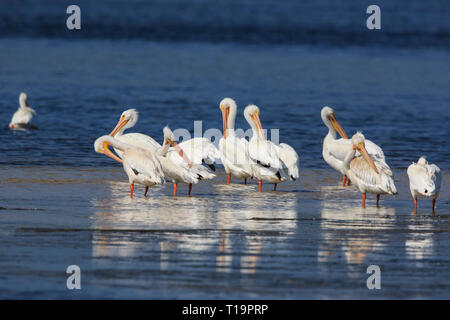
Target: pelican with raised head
pixel 273 163
pixel 233 150
pixel 334 150
pixel 424 180
pixel 369 175
pixel 140 165
pixel 21 119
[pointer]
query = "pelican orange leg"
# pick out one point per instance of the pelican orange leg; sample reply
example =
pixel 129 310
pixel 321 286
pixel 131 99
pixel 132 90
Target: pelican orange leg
pixel 190 189
pixel 131 190
pixel 175 189
pixel 378 199
pixel 434 204
pixel 363 203
pixel 229 178
pixel 274 187
pixel 245 180
pixel 344 181
pixel 260 186
pixel 146 190
pixel 415 205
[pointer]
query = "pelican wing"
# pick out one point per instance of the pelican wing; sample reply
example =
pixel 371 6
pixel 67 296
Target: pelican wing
pixel 144 163
pixel 177 171
pixel 366 175
pixel 290 159
pixel 423 177
pixel 264 153
pixel 375 151
pixel 339 148
pixel 140 140
pixel 200 150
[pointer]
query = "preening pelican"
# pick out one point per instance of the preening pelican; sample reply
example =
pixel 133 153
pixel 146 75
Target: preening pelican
pixel 140 165
pixel 334 150
pixel 233 150
pixel 177 166
pixel 199 150
pixel 272 163
pixel 369 175
pixel 424 180
pixel 22 117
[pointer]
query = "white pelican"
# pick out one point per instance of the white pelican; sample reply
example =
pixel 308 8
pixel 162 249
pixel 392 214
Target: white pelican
pixel 22 117
pixel 233 150
pixel 140 165
pixel 177 166
pixel 334 150
pixel 199 150
pixel 127 120
pixel 370 176
pixel 273 163
pixel 424 180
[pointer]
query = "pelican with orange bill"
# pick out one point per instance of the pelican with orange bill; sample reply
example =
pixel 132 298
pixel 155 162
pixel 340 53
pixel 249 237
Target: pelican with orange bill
pixel 369 175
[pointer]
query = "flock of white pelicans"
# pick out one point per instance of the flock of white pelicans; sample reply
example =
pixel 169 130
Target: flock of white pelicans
pixel 146 162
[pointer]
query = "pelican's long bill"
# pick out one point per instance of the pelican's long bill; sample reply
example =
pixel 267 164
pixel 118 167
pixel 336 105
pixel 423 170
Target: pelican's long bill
pixel 119 125
pixel 255 118
pixel 337 126
pixel 363 151
pixel 181 153
pixel 225 114
pixel 109 153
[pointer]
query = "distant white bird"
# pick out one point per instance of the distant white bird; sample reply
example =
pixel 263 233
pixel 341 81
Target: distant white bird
pixel 369 175
pixel 177 166
pixel 424 180
pixel 140 165
pixel 334 150
pixel 233 150
pixel 22 117
pixel 199 150
pixel 272 163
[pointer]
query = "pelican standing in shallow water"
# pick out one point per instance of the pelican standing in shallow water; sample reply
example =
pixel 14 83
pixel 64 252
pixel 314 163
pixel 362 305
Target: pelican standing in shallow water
pixel 424 180
pixel 233 150
pixel 272 163
pixel 334 150
pixel 22 117
pixel 177 166
pixel 199 150
pixel 370 176
pixel 140 165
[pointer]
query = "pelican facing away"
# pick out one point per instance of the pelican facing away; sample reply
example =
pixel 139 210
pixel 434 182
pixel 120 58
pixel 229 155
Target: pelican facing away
pixel 141 166
pixel 233 150
pixel 334 150
pixel 22 117
pixel 199 150
pixel 272 163
pixel 370 176
pixel 424 180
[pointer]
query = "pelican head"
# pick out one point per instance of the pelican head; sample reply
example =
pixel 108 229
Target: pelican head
pixel 23 100
pixel 329 118
pixel 422 161
pixel 251 114
pixel 127 120
pixel 358 142
pixel 229 109
pixel 169 137
pixel 101 145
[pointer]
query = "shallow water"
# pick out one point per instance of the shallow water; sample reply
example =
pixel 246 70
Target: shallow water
pixel 310 239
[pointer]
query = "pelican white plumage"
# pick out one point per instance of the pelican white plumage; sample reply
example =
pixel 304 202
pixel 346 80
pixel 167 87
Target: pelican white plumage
pixel 233 150
pixel 369 175
pixel 21 119
pixel 424 180
pixel 177 166
pixel 334 150
pixel 272 163
pixel 199 150
pixel 140 165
